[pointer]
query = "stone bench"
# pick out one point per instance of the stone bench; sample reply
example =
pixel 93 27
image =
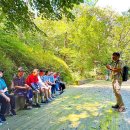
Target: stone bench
pixel 20 102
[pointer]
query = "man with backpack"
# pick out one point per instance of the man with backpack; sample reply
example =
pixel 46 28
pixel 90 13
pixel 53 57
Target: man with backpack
pixel 117 69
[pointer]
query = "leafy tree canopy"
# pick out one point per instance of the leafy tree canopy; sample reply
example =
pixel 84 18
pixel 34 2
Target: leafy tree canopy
pixel 22 12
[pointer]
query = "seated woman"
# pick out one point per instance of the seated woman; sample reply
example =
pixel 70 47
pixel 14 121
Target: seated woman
pixel 33 82
pixel 22 89
pixel 4 90
pixel 46 87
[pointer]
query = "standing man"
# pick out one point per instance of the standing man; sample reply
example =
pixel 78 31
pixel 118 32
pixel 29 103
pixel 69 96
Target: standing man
pixel 116 69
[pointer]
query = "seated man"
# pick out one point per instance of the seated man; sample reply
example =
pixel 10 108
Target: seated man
pixel 4 100
pixel 33 82
pixel 22 89
pixel 59 82
pixel 52 83
pixel 4 90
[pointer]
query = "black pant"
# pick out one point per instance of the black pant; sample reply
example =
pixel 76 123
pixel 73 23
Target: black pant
pixel 62 86
pixel 12 101
pixel 4 105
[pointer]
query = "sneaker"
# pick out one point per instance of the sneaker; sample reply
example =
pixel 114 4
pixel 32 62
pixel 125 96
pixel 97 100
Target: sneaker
pixel 13 112
pixel 116 106
pixel 121 109
pixel 61 92
pixel 29 107
pixel 38 105
pixel 42 101
pixel 1 122
pixel 2 118
pixel 53 96
pixel 52 99
pixel 49 100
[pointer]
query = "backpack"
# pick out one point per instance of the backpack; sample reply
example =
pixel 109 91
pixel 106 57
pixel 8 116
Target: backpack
pixel 124 73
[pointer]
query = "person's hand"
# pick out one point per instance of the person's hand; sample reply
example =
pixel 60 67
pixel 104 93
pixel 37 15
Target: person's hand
pixel 38 91
pixel 108 67
pixel 27 87
pixel 7 99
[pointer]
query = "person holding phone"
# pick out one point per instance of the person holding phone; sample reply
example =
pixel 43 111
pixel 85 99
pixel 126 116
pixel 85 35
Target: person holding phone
pixel 116 71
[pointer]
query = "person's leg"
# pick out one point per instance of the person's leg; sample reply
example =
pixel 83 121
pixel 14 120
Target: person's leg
pixel 116 88
pixel 36 93
pixel 12 103
pixel 62 86
pixel 4 106
pixel 29 99
pixel 57 86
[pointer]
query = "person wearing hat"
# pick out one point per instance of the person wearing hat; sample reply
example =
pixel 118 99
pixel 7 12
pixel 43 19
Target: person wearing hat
pixel 4 91
pixel 21 88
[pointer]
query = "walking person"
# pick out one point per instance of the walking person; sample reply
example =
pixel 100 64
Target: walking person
pixel 116 69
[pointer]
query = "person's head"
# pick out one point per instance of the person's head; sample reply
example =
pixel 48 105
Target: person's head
pixel 42 72
pixel 21 72
pixel 1 73
pixel 46 72
pixel 115 56
pixel 58 73
pixel 51 73
pixel 35 72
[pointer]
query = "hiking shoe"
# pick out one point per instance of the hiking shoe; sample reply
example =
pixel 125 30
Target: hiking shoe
pixel 116 106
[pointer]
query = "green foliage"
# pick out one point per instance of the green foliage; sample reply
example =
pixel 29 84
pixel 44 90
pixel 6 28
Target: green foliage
pixel 22 12
pixel 80 48
pixel 30 57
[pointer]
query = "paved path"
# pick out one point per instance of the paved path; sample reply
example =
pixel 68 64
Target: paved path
pixel 85 107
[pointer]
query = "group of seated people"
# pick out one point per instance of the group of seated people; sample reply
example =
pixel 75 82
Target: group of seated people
pixel 40 84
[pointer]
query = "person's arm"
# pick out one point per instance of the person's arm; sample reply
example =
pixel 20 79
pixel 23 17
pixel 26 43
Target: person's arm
pixel 116 69
pixel 20 87
pixel 5 90
pixel 16 86
pixel 2 94
pixel 113 69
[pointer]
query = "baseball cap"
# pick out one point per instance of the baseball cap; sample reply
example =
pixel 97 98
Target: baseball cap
pixel 20 69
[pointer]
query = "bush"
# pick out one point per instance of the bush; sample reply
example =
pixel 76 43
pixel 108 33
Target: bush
pixel 15 53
